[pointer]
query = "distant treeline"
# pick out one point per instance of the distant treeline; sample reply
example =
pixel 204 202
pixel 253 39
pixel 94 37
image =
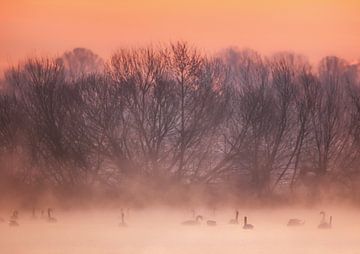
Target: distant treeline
pixel 169 119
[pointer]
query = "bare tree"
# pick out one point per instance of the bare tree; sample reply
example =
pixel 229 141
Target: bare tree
pixel 48 104
pixel 79 62
pixel 200 85
pixel 329 123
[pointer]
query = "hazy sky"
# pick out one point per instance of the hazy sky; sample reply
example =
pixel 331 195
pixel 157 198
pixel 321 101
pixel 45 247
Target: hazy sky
pixel 312 27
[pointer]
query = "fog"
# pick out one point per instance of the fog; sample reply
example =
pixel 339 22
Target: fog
pixel 159 230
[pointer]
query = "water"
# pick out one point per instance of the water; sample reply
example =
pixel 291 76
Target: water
pixel 158 231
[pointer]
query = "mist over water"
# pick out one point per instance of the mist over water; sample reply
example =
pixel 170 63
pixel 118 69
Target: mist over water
pixel 160 231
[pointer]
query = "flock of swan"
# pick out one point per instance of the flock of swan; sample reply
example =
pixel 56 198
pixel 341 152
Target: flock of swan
pixel 13 221
pixel 324 224
pixel 198 219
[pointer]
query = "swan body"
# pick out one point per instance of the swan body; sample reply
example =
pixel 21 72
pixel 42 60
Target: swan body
pixel 211 223
pixel 13 223
pixel 197 221
pixel 247 225
pixel 295 222
pixel 52 220
pixel 236 220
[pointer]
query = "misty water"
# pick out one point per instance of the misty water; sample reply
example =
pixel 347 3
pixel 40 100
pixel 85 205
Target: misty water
pixel 160 231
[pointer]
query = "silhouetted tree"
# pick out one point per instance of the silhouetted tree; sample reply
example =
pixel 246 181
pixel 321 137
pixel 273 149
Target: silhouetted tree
pixel 79 62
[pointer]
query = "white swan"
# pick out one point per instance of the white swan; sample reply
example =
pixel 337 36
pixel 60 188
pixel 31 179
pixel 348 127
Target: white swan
pixel 323 224
pixel 50 218
pixel 13 219
pixel 236 220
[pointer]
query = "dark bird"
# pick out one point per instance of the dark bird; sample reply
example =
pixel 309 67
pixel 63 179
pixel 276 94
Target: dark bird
pixel 323 224
pixel 197 221
pixel 246 225
pixel 236 220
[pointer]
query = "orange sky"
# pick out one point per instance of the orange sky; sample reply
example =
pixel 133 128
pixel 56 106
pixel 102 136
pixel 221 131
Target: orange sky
pixel 315 28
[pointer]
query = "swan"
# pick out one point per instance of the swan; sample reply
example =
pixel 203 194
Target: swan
pixel 295 222
pixel 236 220
pixel 50 218
pixel 122 223
pixel 211 222
pixel 13 219
pixel 197 221
pixel 323 224
pixel 15 215
pixel 246 225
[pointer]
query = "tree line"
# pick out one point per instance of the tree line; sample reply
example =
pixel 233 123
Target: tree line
pixel 157 117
